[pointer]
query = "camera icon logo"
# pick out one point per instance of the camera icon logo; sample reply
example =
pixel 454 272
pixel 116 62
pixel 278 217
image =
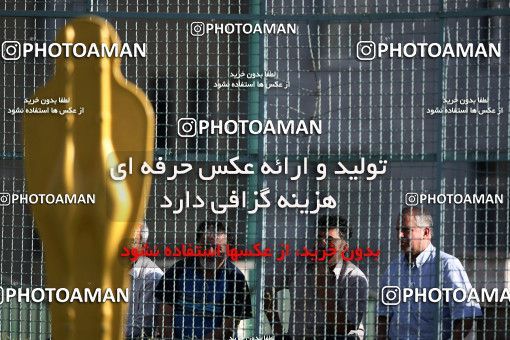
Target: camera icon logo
pixel 11 50
pixel 5 199
pixel 390 295
pixel 365 50
pixel 411 199
pixel 187 127
pixel 197 29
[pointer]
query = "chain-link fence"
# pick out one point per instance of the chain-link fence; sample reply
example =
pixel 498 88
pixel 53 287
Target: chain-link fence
pixel 387 108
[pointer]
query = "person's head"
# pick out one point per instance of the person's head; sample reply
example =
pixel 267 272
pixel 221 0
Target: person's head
pixel 414 230
pixel 333 232
pixel 211 234
pixel 140 235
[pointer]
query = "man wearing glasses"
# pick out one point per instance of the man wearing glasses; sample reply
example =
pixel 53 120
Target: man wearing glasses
pixel 417 269
pixel 329 297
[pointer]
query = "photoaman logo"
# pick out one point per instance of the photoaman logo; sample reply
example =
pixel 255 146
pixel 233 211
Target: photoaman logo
pixel 369 50
pixel 14 50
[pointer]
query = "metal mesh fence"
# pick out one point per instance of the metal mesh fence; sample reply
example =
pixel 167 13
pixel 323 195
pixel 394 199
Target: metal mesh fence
pixel 372 110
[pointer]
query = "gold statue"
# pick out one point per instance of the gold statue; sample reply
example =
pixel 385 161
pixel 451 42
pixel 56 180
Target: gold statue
pixel 73 153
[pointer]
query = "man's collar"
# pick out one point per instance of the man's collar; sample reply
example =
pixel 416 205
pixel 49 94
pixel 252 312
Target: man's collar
pixel 337 268
pixel 422 258
pixel 424 255
pixel 142 263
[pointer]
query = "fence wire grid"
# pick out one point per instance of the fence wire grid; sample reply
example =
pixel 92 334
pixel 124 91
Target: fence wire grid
pixel 375 110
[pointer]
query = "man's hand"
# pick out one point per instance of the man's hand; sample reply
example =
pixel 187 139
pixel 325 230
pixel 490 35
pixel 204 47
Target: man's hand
pixel 382 328
pixel 461 328
pixel 167 326
pixel 271 310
